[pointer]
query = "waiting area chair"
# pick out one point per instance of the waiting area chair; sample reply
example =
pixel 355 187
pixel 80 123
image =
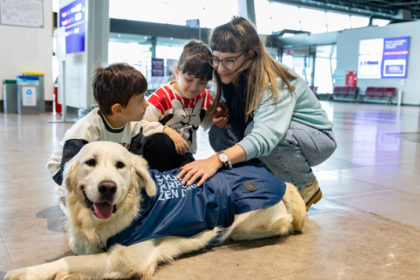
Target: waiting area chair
pixel 379 93
pixel 346 91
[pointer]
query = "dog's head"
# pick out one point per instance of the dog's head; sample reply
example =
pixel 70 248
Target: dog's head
pixel 104 174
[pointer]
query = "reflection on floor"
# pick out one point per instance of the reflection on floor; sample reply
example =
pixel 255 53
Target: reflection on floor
pixel 365 227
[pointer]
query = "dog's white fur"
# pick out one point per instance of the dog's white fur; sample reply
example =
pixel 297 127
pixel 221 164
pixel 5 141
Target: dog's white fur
pixel 88 234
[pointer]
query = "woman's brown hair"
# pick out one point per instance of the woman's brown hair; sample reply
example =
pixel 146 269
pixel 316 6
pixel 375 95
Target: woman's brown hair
pixel 261 69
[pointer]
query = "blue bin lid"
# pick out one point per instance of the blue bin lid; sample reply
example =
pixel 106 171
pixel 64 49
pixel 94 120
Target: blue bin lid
pixel 28 77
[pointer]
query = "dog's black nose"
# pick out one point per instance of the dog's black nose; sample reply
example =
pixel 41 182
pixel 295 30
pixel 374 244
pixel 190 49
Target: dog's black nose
pixel 107 188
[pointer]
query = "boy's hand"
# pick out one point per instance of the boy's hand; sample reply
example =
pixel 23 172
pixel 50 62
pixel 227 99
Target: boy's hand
pixel 221 116
pixel 180 144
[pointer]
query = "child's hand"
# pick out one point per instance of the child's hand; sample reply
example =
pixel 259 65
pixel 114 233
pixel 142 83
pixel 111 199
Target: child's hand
pixel 221 116
pixel 180 144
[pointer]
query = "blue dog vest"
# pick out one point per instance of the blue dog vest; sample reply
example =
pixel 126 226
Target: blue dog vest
pixel 184 211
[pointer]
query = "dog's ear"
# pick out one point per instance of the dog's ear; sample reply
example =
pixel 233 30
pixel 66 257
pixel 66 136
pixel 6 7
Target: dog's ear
pixel 69 175
pixel 140 168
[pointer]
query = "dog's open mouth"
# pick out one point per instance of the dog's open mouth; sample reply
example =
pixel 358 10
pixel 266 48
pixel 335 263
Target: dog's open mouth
pixel 101 210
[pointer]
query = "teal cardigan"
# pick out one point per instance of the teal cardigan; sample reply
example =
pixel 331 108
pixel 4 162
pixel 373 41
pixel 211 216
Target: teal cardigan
pixel 271 120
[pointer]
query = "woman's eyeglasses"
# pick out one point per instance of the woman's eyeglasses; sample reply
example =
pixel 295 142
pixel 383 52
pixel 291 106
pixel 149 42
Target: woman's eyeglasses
pixel 227 63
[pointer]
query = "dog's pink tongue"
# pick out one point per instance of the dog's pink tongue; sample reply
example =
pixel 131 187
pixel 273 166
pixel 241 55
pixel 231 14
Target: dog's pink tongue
pixel 103 210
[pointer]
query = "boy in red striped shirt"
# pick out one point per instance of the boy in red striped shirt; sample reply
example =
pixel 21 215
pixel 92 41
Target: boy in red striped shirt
pixel 177 110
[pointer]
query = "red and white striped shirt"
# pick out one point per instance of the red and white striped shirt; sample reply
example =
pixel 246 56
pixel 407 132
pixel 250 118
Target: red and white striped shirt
pixel 168 108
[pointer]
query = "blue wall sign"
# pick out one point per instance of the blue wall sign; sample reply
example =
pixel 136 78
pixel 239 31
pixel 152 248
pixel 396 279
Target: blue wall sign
pixel 383 58
pixel 157 67
pixel 73 18
pixel 193 23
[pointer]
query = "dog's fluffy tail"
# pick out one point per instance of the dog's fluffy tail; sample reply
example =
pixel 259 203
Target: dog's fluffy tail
pixel 295 206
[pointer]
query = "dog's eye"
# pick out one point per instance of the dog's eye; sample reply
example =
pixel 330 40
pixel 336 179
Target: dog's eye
pixel 91 162
pixel 120 164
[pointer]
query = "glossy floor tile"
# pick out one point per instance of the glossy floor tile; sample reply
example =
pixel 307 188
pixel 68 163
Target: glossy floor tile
pixel 365 227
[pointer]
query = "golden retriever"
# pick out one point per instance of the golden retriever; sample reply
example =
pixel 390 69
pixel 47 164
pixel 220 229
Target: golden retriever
pixel 126 176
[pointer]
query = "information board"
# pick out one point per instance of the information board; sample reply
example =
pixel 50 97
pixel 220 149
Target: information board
pixel 157 67
pixel 28 13
pixel 73 18
pixel 383 58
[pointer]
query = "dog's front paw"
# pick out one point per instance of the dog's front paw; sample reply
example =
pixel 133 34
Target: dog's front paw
pixel 48 271
pixel 19 274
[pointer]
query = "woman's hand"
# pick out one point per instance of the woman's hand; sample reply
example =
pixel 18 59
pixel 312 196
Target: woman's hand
pixel 199 168
pixel 221 116
pixel 180 144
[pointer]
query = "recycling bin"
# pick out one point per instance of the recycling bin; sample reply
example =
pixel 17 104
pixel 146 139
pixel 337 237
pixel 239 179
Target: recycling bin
pixel 28 95
pixel 41 104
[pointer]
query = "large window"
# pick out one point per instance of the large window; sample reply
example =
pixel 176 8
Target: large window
pixel 284 17
pixel 133 53
pixel 211 13
pixel 357 22
pixel 272 17
pixel 337 22
pixel 300 60
pixel 312 20
pixel 325 65
pixel 380 22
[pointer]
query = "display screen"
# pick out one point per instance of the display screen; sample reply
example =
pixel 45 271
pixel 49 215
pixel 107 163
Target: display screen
pixel 383 58
pixel 72 17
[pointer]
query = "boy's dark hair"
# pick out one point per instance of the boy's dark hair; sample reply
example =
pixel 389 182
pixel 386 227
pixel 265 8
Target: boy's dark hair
pixel 193 61
pixel 116 83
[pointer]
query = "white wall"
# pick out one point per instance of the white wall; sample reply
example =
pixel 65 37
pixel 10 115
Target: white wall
pixel 24 49
pixel 348 55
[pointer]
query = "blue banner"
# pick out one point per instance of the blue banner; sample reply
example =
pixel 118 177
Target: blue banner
pixel 395 56
pixel 157 67
pixel 383 58
pixel 73 18
pixel 193 23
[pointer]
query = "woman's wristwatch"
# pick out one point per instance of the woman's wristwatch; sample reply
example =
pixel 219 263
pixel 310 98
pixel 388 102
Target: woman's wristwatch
pixel 224 159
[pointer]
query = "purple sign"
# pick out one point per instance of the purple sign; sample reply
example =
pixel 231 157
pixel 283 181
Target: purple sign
pixel 157 67
pixel 395 56
pixel 72 17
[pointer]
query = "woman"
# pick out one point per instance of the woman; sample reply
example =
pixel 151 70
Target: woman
pixel 269 114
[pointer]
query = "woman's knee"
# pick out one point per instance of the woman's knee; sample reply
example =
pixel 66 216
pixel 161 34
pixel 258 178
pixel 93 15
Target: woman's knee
pixel 216 134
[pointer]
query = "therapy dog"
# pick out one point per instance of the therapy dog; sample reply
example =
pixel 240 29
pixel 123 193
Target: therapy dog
pixel 116 207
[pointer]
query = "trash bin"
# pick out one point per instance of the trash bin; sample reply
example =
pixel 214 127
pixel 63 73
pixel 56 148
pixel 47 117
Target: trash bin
pixel 28 95
pixel 41 104
pixel 10 96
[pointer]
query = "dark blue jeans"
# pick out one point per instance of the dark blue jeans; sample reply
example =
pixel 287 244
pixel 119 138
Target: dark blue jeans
pixel 291 160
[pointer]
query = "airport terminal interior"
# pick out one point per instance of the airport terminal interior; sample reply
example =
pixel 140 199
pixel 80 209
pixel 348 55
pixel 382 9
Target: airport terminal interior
pixel 360 59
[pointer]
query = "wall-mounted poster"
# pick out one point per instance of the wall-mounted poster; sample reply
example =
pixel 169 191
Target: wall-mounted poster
pixel 351 78
pixel 25 13
pixel 72 17
pixel 383 58
pixel 157 67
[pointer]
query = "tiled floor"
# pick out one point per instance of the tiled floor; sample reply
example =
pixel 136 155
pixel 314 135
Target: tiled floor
pixel 366 226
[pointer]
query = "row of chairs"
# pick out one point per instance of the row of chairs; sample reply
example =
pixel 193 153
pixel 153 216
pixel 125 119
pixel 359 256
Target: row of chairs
pixel 352 92
pixel 380 92
pixel 371 92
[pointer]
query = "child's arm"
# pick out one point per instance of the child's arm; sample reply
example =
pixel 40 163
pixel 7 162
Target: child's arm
pixel 150 122
pixel 64 153
pixel 151 125
pixel 180 144
pixel 80 134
